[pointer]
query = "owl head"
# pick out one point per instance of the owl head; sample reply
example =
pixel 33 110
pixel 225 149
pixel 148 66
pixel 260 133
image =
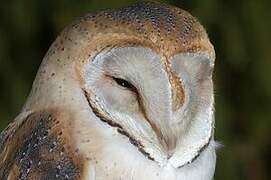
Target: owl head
pixel 142 74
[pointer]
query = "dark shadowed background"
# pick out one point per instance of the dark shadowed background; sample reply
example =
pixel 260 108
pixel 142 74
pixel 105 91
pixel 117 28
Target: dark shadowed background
pixel 240 31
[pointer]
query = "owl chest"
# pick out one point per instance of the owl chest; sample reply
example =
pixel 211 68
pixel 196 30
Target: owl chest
pixel 123 162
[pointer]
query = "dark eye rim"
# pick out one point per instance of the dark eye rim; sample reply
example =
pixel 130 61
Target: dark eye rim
pixel 123 83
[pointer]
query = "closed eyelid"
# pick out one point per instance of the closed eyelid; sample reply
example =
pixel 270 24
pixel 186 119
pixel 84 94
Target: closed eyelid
pixel 123 82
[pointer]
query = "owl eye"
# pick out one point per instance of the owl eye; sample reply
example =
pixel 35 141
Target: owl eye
pixel 123 83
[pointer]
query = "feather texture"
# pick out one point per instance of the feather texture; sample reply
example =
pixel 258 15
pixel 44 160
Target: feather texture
pixel 79 123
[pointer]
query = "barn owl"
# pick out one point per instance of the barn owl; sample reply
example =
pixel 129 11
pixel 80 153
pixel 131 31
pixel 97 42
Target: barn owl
pixel 121 94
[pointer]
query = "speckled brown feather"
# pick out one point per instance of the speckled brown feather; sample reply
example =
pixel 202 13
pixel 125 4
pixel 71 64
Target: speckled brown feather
pixel 167 29
pixel 39 148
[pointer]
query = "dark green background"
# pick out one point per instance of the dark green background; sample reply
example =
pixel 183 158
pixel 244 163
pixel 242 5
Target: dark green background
pixel 240 31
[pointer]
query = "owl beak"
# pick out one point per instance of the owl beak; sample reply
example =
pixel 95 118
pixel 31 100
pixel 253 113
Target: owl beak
pixel 158 110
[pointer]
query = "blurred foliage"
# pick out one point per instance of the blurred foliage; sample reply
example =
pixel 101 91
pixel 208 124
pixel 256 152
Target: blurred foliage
pixel 240 31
